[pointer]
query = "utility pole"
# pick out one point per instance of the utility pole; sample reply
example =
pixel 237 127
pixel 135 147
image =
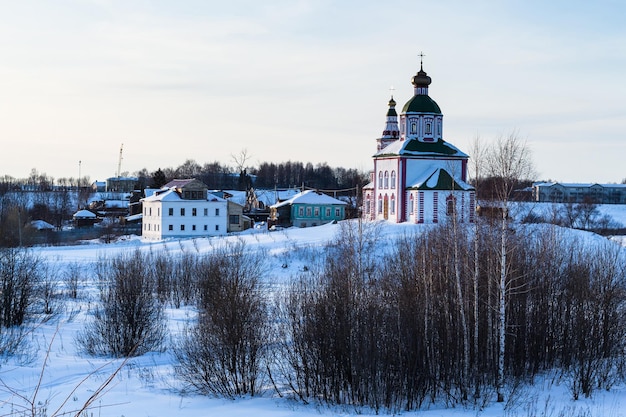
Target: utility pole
pixel 119 168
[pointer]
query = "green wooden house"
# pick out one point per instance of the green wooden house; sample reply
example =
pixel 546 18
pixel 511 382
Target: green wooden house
pixel 309 208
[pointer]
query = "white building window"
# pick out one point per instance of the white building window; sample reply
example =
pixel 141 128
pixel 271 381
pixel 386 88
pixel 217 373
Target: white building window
pixel 380 179
pixel 393 179
pixel 386 179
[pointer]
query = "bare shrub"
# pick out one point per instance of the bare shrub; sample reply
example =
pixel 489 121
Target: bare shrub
pixel 129 320
pixel 224 352
pixel 71 279
pixel 19 275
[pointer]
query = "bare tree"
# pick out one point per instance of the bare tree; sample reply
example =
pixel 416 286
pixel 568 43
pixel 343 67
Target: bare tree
pixel 508 161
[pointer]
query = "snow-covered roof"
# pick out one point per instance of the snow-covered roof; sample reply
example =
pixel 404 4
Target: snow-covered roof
pixel 134 217
pixel 41 225
pixel 437 179
pixel 310 197
pixel 149 191
pixel 269 197
pixel 84 214
pixel 577 184
pixel 413 147
pixel 172 195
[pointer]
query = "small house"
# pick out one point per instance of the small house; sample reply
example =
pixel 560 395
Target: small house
pixel 308 208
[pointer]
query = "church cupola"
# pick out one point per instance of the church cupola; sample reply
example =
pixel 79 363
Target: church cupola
pixel 421 117
pixel 420 82
pixel 392 131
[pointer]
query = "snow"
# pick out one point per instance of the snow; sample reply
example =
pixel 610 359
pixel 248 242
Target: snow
pixel 145 385
pixel 41 225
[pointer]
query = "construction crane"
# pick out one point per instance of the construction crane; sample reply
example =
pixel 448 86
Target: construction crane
pixel 119 162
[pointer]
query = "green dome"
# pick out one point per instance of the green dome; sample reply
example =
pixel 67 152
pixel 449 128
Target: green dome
pixel 421 104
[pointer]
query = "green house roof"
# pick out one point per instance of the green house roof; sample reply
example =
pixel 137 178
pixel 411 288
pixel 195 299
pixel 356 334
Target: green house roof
pixel 413 147
pixel 421 104
pixel 439 147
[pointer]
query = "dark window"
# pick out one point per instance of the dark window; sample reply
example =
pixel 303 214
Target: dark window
pixel 194 211
pixel 182 227
pixel 233 219
pixel 182 211
pixel 171 227
pixel 170 211
pixel 450 209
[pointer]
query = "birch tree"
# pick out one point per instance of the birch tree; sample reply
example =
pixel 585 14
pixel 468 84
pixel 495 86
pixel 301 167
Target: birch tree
pixel 508 161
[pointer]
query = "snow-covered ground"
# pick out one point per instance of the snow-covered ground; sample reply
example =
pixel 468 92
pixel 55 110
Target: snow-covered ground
pixel 53 374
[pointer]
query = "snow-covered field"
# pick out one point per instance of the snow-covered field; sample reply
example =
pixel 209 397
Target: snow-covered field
pixel 53 375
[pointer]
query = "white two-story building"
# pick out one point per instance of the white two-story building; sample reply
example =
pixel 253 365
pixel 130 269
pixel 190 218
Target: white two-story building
pixel 183 209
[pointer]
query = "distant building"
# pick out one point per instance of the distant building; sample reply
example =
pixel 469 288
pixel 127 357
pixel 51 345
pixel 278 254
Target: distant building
pixel 556 192
pixel 418 177
pixel 183 209
pixel 237 220
pixel 121 184
pixel 84 218
pixel 309 208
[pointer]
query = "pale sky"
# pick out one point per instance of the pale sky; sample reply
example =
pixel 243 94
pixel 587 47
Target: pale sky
pixel 304 81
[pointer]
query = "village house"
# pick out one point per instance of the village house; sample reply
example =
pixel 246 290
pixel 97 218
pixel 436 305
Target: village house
pixel 308 208
pixel 184 208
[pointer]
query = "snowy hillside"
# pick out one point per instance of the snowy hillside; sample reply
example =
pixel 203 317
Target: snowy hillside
pixel 52 374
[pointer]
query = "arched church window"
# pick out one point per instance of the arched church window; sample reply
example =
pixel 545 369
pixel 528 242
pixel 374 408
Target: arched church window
pixel 393 179
pixel 380 204
pixel 393 204
pixel 367 204
pixel 429 129
pixel 450 205
pixel 380 179
pixel 411 205
pixel 413 128
pixel 386 179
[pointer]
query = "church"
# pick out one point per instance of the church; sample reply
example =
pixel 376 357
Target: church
pixel 418 177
